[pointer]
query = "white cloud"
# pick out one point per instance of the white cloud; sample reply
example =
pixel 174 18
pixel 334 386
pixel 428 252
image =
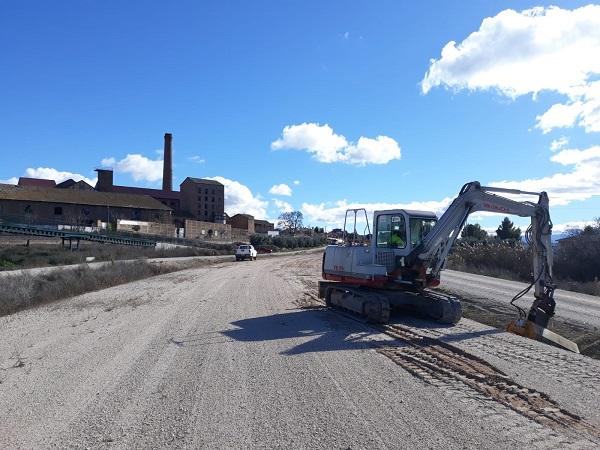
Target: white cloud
pixel 333 213
pixel 12 180
pixel 296 182
pixel 573 156
pixel 557 144
pixel 328 147
pixel 580 183
pixel 281 189
pixel 196 159
pixel 527 52
pixel 59 176
pixel 239 199
pixel 283 206
pixel 582 109
pixel 575 225
pixel 138 166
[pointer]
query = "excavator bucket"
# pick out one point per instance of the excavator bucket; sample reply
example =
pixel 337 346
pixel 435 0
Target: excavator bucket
pixel 529 329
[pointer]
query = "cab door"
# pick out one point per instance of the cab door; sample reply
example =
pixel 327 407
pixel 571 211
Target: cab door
pixel 391 242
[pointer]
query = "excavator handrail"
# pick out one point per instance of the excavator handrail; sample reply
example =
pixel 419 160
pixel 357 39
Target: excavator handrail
pixel 354 232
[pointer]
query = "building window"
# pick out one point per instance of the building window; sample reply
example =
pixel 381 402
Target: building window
pixel 199 190
pixel 58 211
pixel 213 199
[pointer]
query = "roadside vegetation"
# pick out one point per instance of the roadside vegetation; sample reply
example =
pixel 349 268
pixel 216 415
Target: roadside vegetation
pixel 18 292
pixel 280 243
pixel 576 258
pixel 52 254
pixel 295 235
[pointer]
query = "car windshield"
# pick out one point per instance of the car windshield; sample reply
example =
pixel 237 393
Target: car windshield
pixel 419 228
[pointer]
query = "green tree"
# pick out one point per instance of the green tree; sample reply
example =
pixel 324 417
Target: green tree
pixel 473 231
pixel 290 221
pixel 507 230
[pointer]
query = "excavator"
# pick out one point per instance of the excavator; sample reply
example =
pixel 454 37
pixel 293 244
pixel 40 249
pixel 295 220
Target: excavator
pixel 397 265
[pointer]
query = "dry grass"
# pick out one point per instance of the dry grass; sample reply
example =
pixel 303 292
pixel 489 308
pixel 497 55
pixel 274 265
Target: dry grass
pixel 18 292
pixel 44 255
pixel 573 271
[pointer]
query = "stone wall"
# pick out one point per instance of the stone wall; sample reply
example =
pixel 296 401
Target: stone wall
pixel 155 228
pixel 195 229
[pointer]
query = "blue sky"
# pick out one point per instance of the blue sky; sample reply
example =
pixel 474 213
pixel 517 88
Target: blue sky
pixel 87 83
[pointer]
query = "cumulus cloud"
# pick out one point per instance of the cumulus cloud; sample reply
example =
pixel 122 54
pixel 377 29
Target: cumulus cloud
pixel 328 147
pixel 581 182
pixel 296 182
pixel 138 166
pixel 575 225
pixel 333 213
pixel 527 52
pixel 282 206
pixel 59 176
pixel 559 143
pixel 11 180
pixel 239 199
pixel 196 159
pixel 281 189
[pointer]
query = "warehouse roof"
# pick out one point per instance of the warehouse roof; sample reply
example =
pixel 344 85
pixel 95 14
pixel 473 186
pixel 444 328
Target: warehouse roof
pixel 79 197
pixel 40 182
pixel 172 195
pixel 203 181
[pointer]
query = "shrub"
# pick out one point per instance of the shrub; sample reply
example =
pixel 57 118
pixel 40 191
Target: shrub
pixel 287 242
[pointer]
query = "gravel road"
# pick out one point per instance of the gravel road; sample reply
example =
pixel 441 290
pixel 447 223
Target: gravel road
pixel 237 355
pixel 569 305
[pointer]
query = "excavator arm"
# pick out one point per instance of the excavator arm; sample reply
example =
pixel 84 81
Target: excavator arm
pixel 430 255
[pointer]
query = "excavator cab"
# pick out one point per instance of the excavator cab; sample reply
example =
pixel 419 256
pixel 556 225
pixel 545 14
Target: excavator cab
pixel 378 260
pixel 397 233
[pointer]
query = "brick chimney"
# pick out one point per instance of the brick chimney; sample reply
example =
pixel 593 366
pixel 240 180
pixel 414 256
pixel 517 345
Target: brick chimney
pixel 105 180
pixel 168 163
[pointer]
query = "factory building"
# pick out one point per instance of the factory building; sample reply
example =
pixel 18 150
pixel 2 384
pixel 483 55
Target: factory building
pixel 36 204
pixel 197 199
pixel 198 205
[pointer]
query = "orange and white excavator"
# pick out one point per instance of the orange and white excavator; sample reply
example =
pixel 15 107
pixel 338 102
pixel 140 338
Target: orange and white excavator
pixel 397 265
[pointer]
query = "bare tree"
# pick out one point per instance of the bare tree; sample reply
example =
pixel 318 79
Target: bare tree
pixel 290 221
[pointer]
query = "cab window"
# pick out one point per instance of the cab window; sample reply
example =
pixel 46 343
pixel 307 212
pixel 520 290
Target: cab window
pixel 391 231
pixel 419 228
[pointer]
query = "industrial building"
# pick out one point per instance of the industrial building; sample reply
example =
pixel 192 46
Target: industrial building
pixel 197 198
pixel 76 206
pixel 198 205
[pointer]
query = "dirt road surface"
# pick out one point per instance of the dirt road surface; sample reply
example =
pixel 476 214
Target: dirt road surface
pixel 238 355
pixel 569 305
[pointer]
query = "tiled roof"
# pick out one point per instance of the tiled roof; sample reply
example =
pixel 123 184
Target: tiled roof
pixel 39 182
pixel 262 222
pixel 203 181
pixel 156 193
pixel 79 197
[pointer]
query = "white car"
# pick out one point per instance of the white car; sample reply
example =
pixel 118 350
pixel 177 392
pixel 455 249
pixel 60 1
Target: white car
pixel 245 251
